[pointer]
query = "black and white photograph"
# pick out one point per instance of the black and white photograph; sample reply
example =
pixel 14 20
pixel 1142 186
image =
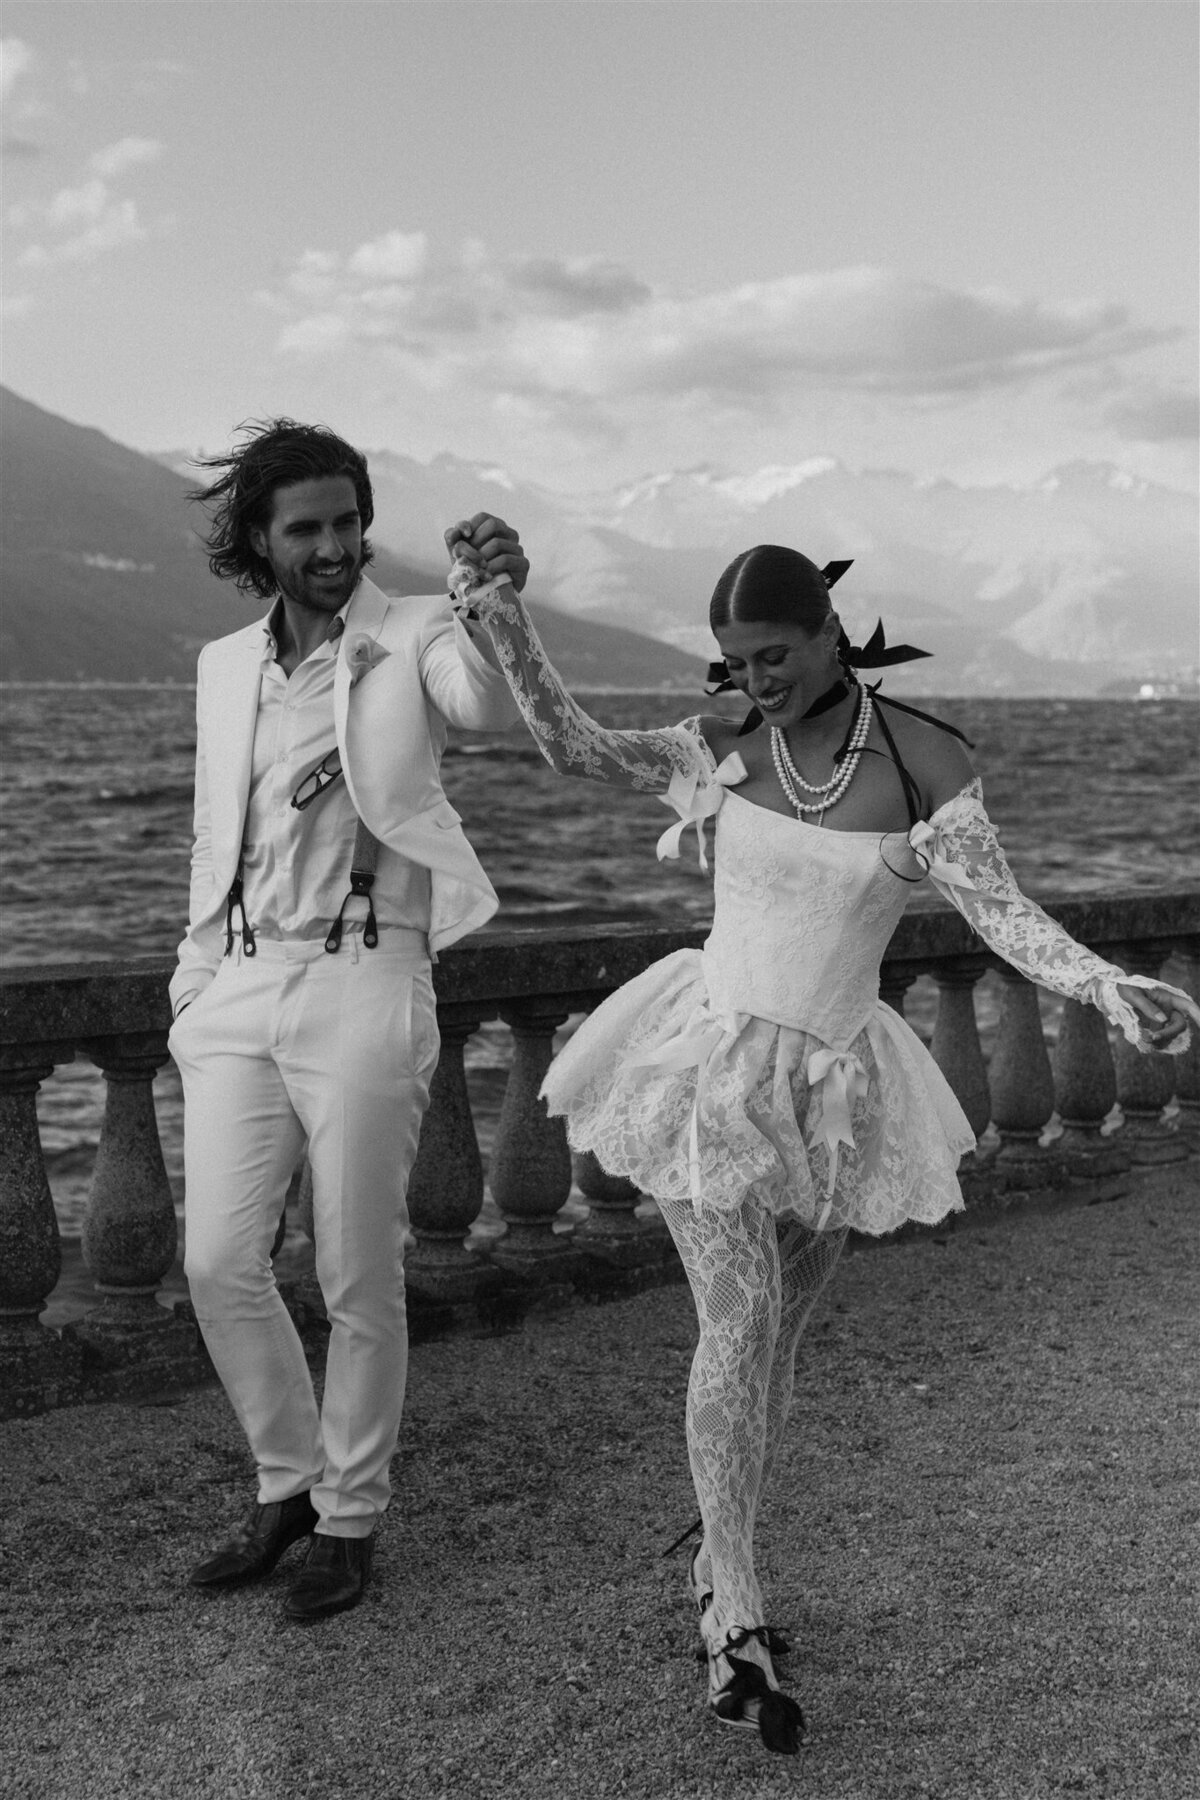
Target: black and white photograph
pixel 599 900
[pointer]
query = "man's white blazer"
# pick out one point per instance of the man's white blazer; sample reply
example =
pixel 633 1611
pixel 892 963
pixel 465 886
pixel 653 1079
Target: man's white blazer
pixel 390 719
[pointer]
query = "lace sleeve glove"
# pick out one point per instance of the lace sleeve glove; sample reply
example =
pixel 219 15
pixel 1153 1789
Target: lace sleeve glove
pixel 571 742
pixel 963 859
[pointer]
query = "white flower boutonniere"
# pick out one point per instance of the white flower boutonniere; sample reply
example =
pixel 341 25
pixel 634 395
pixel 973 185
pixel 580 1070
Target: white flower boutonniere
pixel 362 654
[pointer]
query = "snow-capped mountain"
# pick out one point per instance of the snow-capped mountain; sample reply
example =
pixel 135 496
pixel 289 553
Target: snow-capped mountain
pixel 1086 577
pixel 1067 585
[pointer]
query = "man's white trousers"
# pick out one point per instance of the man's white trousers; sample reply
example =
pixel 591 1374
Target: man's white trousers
pixel 287 1046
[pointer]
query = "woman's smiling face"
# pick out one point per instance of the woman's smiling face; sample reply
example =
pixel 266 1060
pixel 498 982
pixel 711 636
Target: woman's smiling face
pixel 781 668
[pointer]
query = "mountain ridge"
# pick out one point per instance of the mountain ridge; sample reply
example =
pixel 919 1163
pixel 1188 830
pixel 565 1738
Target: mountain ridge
pixel 1038 588
pixel 1081 583
pixel 104 577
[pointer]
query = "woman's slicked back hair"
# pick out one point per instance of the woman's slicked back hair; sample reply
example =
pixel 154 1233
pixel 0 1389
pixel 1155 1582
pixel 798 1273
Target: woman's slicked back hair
pixel 770 585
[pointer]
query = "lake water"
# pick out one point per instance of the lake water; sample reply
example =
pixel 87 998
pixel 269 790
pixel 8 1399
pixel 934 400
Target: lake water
pixel 95 808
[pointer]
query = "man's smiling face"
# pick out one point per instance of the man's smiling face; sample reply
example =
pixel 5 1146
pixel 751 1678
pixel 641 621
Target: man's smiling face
pixel 313 542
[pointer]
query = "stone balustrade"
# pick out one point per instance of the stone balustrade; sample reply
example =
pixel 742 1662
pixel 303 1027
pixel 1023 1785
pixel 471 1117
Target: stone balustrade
pixel 118 1016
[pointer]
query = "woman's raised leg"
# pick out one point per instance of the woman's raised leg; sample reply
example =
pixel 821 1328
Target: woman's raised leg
pixel 732 1263
pixel 807 1260
pixel 732 1266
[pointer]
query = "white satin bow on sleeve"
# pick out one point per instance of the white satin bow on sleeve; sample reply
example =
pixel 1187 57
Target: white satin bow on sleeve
pixel 926 842
pixel 696 798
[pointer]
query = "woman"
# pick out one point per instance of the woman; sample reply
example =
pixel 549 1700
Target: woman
pixel 758 1088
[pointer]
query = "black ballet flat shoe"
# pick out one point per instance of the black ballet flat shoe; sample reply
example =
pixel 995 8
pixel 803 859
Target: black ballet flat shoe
pixel 334 1577
pixel 257 1544
pixel 747 1701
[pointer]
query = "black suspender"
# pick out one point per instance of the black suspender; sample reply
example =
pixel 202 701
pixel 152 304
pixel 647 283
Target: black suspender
pixel 234 898
pixel 362 880
pixel 363 862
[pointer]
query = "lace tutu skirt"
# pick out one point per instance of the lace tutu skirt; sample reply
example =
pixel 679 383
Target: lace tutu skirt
pixel 695 1107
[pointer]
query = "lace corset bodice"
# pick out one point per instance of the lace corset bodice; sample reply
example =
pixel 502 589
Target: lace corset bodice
pixel 801 919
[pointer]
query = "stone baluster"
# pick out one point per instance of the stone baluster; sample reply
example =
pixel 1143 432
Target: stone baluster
pixel 612 1199
pixel 956 1049
pixel 612 1230
pixel 530 1169
pixel 37 1368
pixel 445 1189
pixel 1022 1088
pixel 1146 1081
pixel 1085 1087
pixel 130 1235
pixel 895 979
pixel 955 1044
pixel 1187 1078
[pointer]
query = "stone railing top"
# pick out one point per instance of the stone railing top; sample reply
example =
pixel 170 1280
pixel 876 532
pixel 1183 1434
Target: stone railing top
pixel 60 1004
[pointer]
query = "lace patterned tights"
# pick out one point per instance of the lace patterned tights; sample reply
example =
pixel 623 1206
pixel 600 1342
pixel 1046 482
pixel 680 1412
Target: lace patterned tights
pixel 754 1279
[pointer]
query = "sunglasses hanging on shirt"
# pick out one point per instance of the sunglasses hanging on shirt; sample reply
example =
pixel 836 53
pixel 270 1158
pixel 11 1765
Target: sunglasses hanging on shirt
pixel 318 781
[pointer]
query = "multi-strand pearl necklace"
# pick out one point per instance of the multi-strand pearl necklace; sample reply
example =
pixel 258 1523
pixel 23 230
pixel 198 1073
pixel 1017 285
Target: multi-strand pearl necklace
pixel 829 793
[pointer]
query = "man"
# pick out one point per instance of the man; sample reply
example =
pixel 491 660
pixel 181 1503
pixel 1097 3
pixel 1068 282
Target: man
pixel 303 1000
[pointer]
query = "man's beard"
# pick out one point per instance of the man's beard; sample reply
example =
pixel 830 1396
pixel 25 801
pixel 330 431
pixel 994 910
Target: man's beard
pixel 298 592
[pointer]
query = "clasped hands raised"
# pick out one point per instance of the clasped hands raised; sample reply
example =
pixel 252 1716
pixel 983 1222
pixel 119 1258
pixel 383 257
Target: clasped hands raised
pixel 492 545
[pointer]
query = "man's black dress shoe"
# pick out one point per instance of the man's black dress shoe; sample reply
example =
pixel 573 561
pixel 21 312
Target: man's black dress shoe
pixel 257 1545
pixel 334 1576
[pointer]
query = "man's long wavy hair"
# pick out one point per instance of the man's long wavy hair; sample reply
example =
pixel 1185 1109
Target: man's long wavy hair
pixel 276 453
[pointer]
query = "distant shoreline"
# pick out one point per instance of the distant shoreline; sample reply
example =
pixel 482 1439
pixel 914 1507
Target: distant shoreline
pixel 1192 696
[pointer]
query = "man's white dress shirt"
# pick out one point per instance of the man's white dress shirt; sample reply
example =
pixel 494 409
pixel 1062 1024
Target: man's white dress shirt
pixel 296 864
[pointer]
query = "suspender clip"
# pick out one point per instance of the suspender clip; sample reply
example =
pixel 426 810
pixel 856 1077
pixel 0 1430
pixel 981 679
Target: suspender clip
pixel 234 898
pixel 361 883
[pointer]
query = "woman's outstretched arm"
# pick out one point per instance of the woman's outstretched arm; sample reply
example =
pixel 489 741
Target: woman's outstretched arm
pixel 572 742
pixel 966 863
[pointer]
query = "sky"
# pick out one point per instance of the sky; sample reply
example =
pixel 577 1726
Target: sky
pixel 589 240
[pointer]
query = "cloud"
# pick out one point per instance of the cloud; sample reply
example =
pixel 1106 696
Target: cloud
pixel 316 335
pixel 113 224
pixel 560 333
pixel 397 256
pixel 92 218
pixel 1156 415
pixel 126 153
pixel 15 58
pixel 582 286
pixel 72 204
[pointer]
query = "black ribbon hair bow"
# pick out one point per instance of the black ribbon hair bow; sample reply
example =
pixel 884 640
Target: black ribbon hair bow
pixel 876 653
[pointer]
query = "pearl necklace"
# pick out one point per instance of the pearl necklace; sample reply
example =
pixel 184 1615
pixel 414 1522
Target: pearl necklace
pixel 829 793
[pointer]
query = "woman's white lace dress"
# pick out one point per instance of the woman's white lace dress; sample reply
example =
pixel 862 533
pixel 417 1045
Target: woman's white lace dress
pixel 766 1061
pixel 758 1088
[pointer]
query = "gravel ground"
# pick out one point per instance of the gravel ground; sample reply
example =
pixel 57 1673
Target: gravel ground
pixel 982 1535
